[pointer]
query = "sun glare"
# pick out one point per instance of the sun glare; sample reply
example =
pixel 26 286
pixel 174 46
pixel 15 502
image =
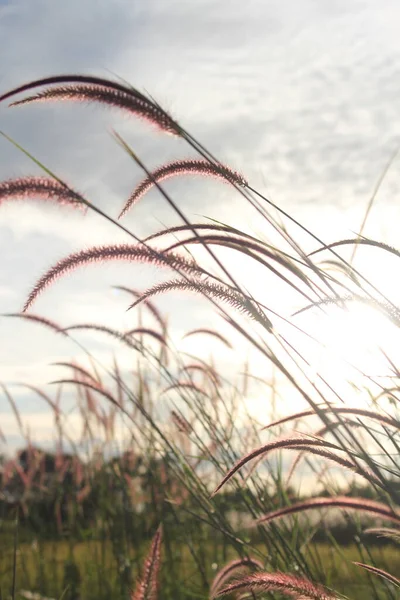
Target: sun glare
pixel 356 343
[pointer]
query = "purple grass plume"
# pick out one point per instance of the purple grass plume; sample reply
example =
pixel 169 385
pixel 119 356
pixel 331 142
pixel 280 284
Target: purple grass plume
pixel 361 412
pixel 231 570
pixel 137 105
pixel 106 253
pixel 181 422
pixel 212 290
pixel 289 585
pixel 41 188
pixel 383 511
pixel 204 331
pixel 149 305
pixel 146 331
pixel 147 587
pixel 39 319
pixel 387 532
pixel 179 168
pixel 380 573
pixel 294 442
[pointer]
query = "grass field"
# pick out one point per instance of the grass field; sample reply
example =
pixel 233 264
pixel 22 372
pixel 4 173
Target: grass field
pixel 44 566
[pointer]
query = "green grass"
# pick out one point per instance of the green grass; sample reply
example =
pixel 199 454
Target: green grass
pixel 42 566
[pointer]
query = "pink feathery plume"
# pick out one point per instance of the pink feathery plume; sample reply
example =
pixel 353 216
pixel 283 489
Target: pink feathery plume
pixel 231 569
pixel 106 253
pixel 147 587
pixel 181 422
pixel 290 585
pixel 296 442
pixel 380 573
pixel 41 188
pixel 338 410
pixel 359 504
pixel 38 319
pixel 179 168
pixel 135 104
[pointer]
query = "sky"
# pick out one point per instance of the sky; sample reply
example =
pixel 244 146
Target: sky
pixel 300 96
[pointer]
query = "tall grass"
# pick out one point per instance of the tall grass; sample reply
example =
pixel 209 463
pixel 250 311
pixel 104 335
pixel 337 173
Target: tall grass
pixel 155 450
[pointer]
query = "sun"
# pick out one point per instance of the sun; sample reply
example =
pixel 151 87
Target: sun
pixel 355 342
